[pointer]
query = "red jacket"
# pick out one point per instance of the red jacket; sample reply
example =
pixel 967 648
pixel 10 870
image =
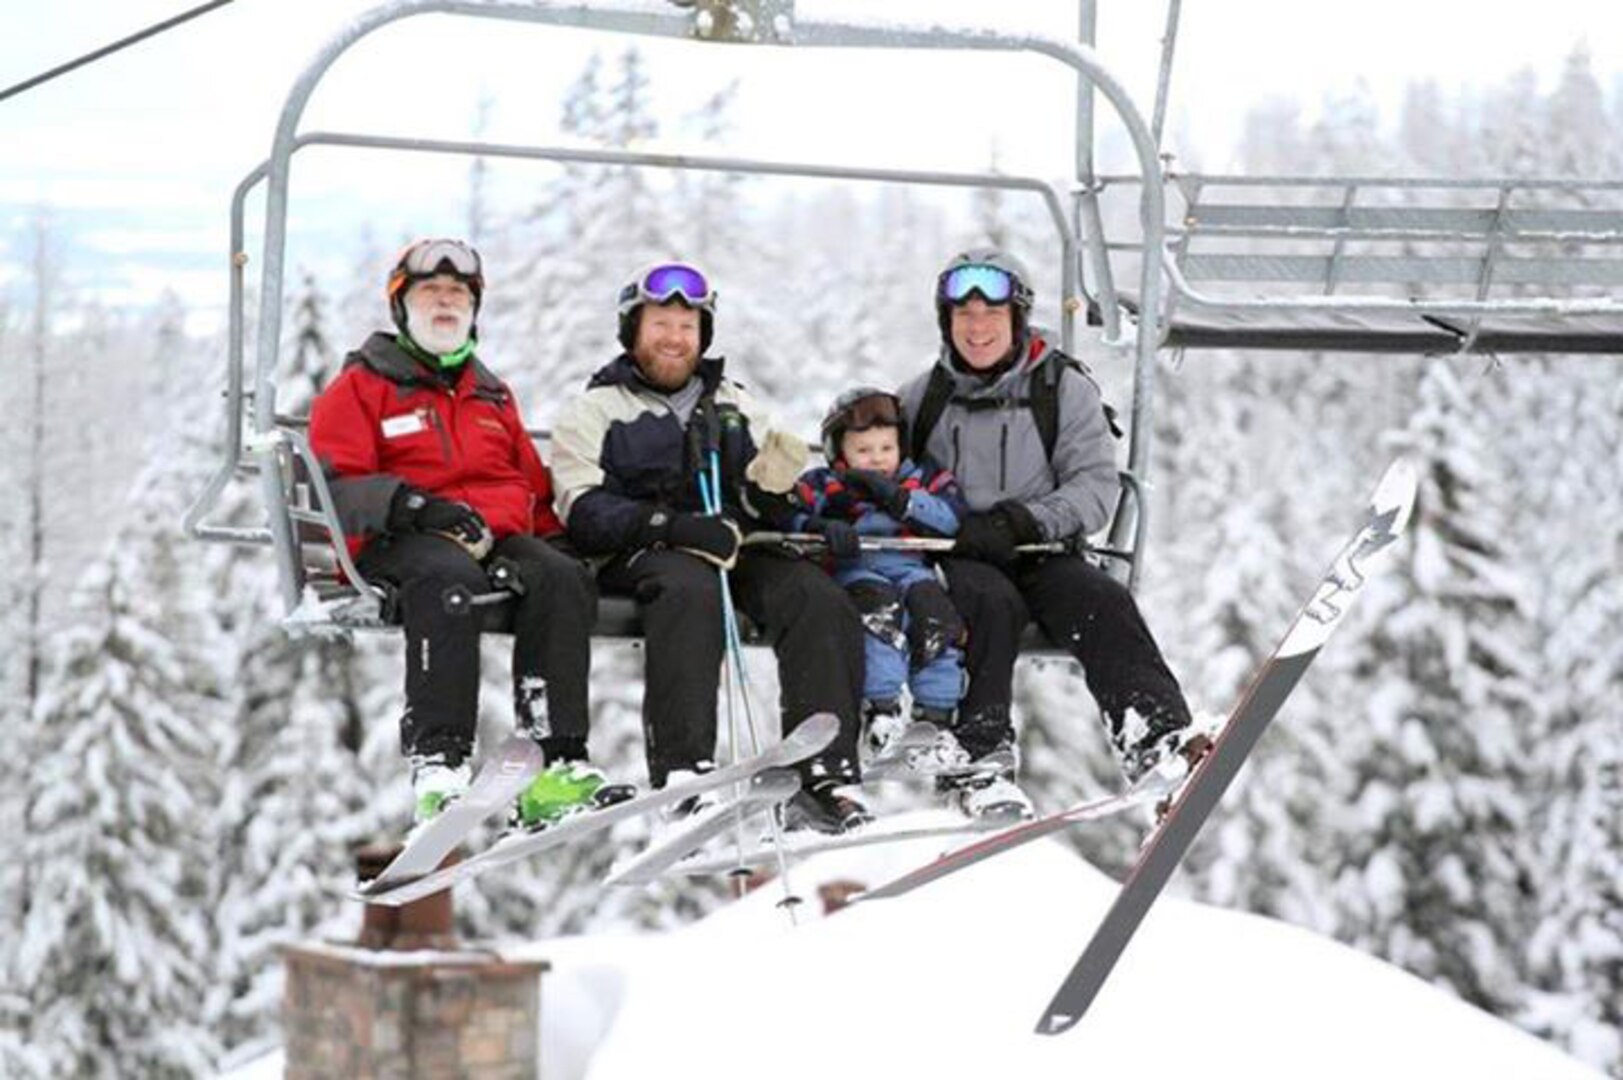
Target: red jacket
pixel 386 420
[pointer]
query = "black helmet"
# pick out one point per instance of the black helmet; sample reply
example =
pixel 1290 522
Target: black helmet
pixel 859 410
pixel 663 283
pixel 997 276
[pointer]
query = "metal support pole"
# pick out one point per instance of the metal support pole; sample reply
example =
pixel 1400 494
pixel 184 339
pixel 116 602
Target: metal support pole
pixel 1163 82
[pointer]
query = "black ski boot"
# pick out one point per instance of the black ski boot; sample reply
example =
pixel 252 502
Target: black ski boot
pixel 821 808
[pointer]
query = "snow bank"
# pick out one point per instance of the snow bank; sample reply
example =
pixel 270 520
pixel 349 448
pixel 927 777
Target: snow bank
pixel 950 980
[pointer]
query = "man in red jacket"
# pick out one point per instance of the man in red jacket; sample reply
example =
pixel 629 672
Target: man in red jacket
pixel 435 478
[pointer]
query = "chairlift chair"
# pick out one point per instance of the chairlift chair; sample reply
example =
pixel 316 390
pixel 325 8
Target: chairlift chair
pixel 321 590
pixel 1305 264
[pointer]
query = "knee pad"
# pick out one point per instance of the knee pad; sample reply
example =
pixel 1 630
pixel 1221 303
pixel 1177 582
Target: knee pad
pixel 879 605
pixel 933 624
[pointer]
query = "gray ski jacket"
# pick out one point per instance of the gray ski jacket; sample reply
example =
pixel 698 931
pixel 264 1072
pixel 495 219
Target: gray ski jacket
pixel 988 437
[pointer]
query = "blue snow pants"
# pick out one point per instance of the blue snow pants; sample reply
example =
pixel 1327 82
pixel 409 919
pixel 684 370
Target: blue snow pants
pixel 938 683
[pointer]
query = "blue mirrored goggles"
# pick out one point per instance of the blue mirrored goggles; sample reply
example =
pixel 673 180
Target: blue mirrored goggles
pixel 675 281
pixel 995 286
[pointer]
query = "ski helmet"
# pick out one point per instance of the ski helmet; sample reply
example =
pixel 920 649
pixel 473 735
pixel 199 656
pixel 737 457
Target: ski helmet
pixel 997 276
pixel 861 409
pixel 423 259
pixel 664 283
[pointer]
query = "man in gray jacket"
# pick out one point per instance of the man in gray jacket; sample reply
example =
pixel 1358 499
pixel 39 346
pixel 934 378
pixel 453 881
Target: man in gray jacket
pixel 1024 429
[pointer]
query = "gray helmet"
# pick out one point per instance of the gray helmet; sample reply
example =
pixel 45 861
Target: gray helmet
pixel 983 270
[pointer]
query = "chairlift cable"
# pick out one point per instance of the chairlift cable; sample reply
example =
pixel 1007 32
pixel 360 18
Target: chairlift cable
pixel 107 50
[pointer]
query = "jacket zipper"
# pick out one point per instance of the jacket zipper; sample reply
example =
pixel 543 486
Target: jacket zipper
pixel 445 436
pixel 955 471
pixel 1003 459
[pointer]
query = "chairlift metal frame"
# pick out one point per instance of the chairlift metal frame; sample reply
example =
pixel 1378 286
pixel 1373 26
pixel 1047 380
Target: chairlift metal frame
pixel 275 450
pixel 1315 312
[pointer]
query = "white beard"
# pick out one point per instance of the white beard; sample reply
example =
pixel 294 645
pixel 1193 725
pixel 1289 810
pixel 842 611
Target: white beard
pixel 420 325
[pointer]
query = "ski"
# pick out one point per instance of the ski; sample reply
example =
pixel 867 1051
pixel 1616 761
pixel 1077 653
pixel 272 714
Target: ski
pixel 811 736
pixel 800 845
pixel 765 790
pixel 494 788
pixel 1009 837
pixel 1387 516
pixel 904 759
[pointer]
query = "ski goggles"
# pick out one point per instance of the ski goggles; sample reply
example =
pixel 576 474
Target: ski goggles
pixel 667 282
pixel 426 257
pixel 864 409
pixel 958 284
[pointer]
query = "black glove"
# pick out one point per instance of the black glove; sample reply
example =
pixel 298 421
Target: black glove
pixel 991 536
pixel 412 510
pixel 839 536
pixel 986 536
pixel 771 509
pixel 1022 522
pixel 714 539
pixel 882 491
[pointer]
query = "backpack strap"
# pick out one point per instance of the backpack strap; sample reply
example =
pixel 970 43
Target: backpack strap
pixel 1043 403
pixel 1044 400
pixel 937 392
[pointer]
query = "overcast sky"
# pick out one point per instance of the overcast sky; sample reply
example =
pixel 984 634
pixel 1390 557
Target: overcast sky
pixel 137 155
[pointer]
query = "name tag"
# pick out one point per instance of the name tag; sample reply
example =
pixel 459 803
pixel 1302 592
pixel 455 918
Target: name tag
pixel 405 424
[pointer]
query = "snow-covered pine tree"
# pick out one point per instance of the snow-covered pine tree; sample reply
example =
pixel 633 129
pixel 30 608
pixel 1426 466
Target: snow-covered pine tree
pixel 479 176
pixel 1433 867
pixel 1512 127
pixel 713 220
pixel 1581 139
pixel 122 802
pixel 17 1058
pixel 552 312
pixel 294 799
pixel 1576 949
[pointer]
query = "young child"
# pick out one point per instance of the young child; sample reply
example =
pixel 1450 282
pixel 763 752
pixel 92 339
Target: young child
pixel 914 634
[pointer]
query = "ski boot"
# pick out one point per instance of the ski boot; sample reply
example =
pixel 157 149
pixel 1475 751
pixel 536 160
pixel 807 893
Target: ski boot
pixel 984 788
pixel 821 808
pixel 941 755
pixel 434 786
pixel 693 805
pixel 1173 756
pixel 561 789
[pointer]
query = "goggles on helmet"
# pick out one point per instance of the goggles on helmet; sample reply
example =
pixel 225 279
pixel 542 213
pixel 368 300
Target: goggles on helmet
pixel 861 409
pixel 667 282
pixel 426 257
pixel 874 408
pixel 996 286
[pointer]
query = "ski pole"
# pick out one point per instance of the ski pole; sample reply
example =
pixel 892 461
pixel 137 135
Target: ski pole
pixel 710 496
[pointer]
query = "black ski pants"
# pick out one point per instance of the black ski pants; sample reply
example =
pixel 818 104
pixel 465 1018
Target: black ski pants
pixel 806 617
pixel 1082 610
pixel 551 623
